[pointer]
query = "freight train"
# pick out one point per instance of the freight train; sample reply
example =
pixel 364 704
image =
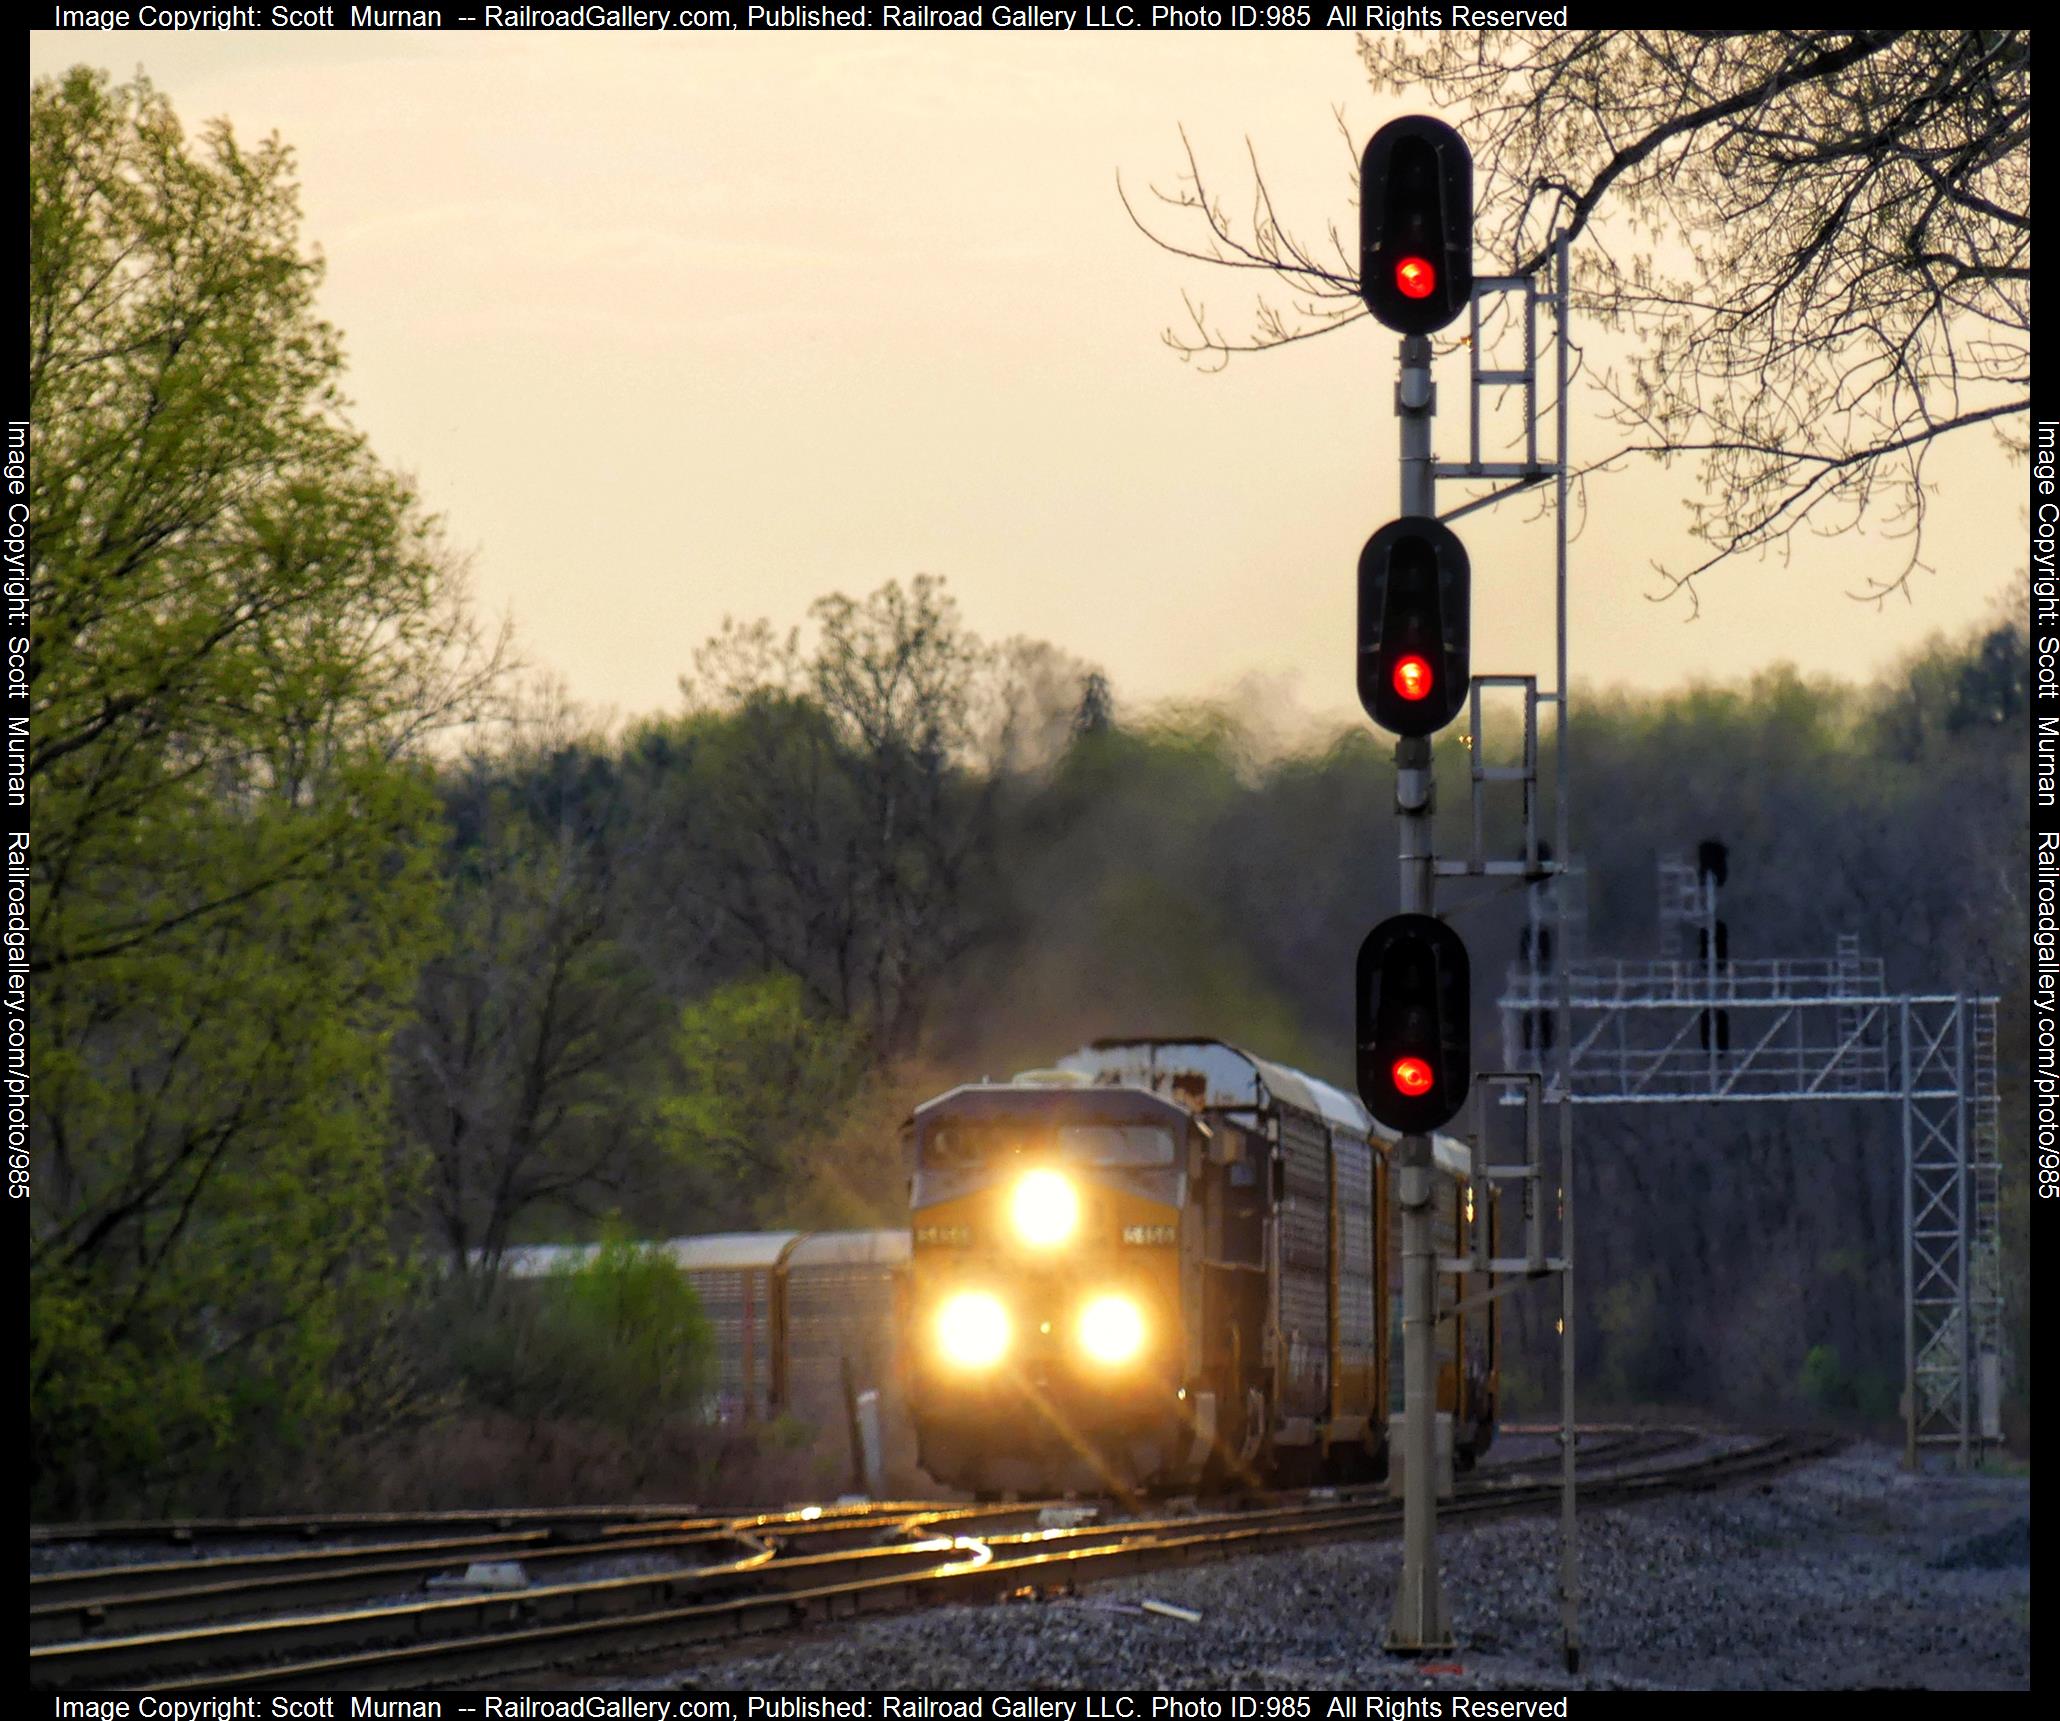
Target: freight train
pixel 1169 1264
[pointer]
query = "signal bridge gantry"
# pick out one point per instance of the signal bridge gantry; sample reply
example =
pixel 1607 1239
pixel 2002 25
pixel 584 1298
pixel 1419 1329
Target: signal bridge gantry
pixel 1660 1031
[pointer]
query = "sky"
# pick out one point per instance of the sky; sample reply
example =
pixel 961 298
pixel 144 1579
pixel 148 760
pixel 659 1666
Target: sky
pixel 676 327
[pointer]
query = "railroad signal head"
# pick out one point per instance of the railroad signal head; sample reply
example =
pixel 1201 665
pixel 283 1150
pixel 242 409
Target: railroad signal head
pixel 1416 225
pixel 1414 665
pixel 1414 1031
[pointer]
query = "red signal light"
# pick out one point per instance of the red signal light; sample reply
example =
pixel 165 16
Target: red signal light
pixel 1412 1076
pixel 1415 278
pixel 1412 677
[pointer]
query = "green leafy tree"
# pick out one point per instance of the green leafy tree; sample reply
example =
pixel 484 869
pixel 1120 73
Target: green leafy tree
pixel 243 627
pixel 759 1080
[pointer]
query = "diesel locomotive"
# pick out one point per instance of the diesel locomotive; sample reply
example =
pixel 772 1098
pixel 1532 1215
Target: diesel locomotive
pixel 1169 1265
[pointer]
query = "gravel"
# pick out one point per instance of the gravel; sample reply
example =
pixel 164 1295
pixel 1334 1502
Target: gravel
pixel 84 1556
pixel 1845 1573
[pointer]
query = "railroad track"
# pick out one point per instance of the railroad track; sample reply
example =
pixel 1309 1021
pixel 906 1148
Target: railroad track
pixel 333 1526
pixel 772 1572
pixel 1598 1448
pixel 123 1600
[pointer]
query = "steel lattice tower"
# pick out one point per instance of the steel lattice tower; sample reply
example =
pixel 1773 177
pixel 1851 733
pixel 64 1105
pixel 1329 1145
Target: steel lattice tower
pixel 1807 1028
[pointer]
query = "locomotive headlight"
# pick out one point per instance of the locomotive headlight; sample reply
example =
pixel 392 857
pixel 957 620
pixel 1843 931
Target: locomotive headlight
pixel 1045 1208
pixel 972 1329
pixel 1111 1329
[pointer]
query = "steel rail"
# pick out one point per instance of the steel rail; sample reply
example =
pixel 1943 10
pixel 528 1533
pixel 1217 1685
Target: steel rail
pixel 308 1525
pixel 1613 1446
pixel 150 1606
pixel 80 1660
pixel 93 1583
pixel 90 1583
pixel 83 1659
pixel 1044 1571
pixel 178 1593
pixel 503 1633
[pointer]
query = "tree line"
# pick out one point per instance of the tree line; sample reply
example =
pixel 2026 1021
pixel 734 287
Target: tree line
pixel 358 960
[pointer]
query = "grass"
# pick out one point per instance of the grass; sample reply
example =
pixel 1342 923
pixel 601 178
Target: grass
pixel 2003 1464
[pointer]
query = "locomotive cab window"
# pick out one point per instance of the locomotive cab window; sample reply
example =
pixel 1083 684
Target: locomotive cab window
pixel 964 1146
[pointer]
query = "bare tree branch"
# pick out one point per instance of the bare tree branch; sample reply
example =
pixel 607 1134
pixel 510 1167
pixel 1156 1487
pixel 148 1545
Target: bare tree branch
pixel 1818 239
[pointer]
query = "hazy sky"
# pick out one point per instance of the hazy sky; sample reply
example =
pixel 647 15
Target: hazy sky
pixel 676 326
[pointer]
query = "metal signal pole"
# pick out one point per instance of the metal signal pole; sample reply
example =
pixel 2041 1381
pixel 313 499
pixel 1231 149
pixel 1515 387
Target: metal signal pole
pixel 1421 1620
pixel 1569 1530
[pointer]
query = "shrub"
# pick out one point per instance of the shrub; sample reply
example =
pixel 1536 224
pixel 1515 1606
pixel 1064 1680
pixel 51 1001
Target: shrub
pixel 618 1341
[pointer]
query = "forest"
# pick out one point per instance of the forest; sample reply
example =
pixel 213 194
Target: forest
pixel 360 957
